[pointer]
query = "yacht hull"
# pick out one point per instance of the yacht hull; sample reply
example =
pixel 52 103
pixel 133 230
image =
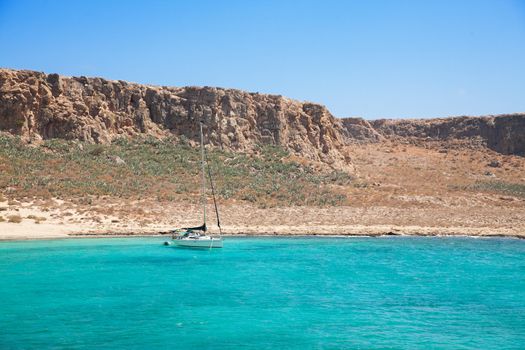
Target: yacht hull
pixel 199 243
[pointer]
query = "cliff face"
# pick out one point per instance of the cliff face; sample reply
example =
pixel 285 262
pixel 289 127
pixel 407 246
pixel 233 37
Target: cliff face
pixel 39 106
pixel 504 133
pixel 360 131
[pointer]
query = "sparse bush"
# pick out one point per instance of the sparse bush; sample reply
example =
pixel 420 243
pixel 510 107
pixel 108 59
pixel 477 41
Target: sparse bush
pixel 152 141
pixel 165 170
pixel 19 123
pixel 57 145
pixel 183 140
pixel 16 219
pixel 121 141
pixel 339 178
pixel 97 150
pixel 37 219
pixel 513 189
pixel 250 197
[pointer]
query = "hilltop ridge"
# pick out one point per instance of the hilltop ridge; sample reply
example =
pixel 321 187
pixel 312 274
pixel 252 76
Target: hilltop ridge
pixel 39 106
pixel 503 133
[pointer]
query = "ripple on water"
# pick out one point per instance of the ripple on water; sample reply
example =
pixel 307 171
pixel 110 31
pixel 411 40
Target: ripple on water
pixel 397 292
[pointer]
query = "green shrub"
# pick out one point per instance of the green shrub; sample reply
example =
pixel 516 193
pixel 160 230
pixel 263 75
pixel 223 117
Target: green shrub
pixel 508 188
pixel 96 150
pixel 57 145
pixel 162 169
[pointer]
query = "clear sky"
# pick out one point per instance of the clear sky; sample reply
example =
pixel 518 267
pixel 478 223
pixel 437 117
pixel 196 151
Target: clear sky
pixel 359 58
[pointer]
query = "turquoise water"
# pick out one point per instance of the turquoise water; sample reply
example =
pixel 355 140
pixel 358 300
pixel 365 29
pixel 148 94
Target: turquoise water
pixel 263 293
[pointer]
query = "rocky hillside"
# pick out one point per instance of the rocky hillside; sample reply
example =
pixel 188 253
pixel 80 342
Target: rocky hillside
pixel 504 133
pixel 42 106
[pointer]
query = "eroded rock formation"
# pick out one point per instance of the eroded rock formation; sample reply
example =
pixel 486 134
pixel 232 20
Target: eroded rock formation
pixel 360 130
pixel 36 105
pixel 503 133
pixel 41 106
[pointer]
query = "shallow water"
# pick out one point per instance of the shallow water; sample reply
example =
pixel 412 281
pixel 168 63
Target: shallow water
pixel 263 293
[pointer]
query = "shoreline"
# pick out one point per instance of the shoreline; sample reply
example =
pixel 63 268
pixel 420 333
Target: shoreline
pixel 99 235
pixel 58 219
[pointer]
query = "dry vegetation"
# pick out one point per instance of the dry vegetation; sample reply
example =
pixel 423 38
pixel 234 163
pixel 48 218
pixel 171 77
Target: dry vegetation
pixel 165 170
pixel 36 219
pixel 16 219
pixel 394 187
pixel 433 170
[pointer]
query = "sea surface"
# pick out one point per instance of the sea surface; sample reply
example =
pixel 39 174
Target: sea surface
pixel 264 293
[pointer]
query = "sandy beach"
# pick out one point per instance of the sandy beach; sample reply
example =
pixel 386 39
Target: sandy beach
pixel 61 219
pixel 403 198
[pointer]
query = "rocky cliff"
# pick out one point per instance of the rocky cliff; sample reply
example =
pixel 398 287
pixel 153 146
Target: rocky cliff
pixel 360 130
pixel 39 106
pixel 503 133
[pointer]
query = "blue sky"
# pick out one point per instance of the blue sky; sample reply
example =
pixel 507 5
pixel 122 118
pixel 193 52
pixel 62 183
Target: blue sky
pixel 375 59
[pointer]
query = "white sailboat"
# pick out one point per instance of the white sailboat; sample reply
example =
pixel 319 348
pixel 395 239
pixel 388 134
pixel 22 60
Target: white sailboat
pixel 196 237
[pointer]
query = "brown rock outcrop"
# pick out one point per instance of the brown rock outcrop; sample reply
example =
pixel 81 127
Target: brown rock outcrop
pixel 42 106
pixel 360 131
pixel 503 133
pixel 36 105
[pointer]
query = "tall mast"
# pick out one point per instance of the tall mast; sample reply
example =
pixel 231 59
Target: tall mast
pixel 203 194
